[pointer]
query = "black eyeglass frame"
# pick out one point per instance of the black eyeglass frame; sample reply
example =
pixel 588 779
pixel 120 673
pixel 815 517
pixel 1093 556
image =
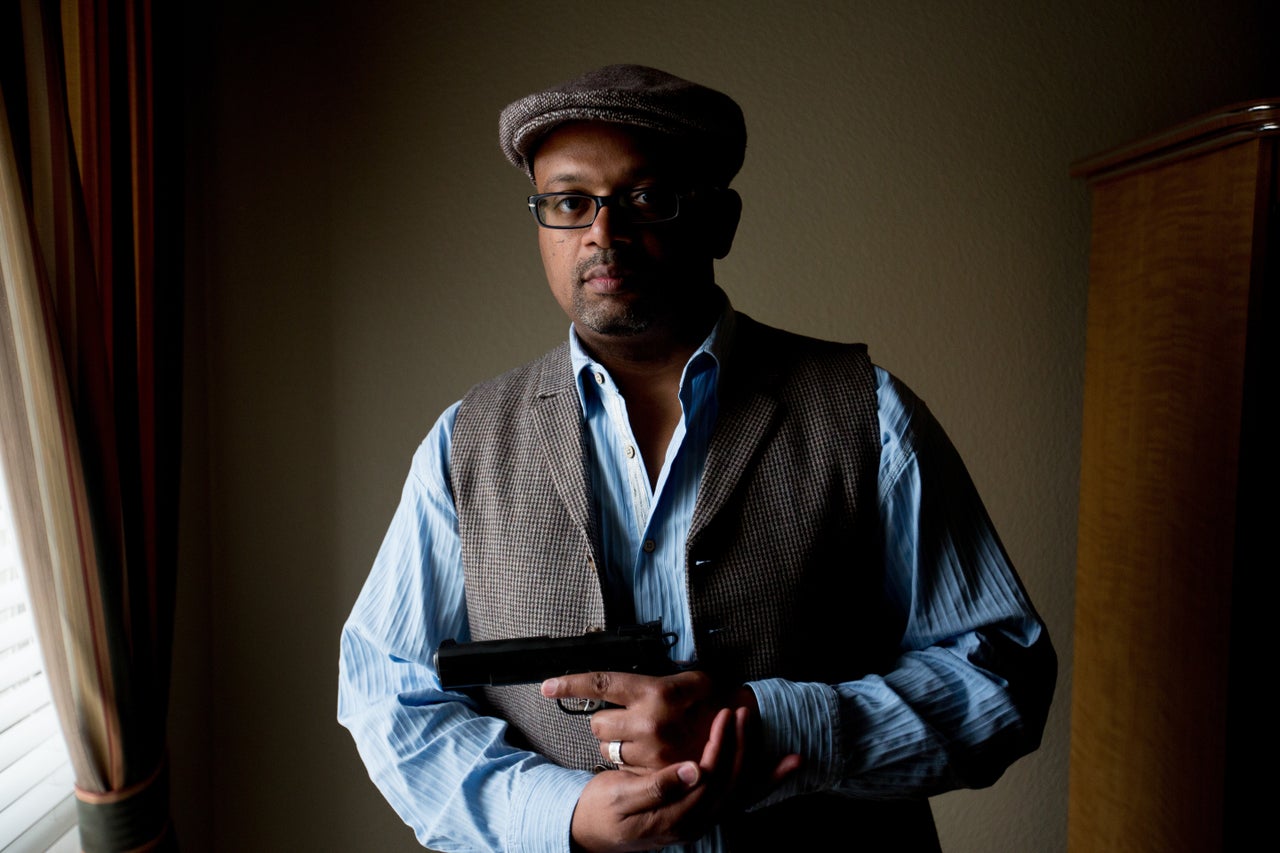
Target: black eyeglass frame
pixel 616 200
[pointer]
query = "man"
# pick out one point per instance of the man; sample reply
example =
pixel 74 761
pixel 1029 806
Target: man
pixel 857 639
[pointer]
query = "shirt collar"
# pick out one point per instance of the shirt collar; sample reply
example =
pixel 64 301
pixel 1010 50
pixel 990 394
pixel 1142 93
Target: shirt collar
pixel 712 353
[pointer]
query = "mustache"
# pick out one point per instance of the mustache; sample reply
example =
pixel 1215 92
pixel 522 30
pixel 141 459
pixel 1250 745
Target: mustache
pixel 606 258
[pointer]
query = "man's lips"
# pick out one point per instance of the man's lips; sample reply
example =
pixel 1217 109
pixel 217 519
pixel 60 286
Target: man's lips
pixel 606 278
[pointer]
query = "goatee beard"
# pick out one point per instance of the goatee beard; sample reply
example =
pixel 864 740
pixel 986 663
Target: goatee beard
pixel 606 316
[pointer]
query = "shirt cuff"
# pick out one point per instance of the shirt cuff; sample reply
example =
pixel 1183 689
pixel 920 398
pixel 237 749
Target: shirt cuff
pixel 542 808
pixel 800 718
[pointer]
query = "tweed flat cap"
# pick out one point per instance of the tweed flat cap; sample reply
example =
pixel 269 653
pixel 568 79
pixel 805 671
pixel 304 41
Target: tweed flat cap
pixel 710 122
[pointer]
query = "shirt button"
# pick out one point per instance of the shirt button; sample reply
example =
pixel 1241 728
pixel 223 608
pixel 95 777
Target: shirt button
pixel 599 378
pixel 649 545
pixel 630 451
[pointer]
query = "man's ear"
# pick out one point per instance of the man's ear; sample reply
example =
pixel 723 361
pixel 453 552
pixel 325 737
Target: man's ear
pixel 722 225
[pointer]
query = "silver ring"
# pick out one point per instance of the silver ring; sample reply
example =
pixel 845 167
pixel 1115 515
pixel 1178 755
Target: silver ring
pixel 615 752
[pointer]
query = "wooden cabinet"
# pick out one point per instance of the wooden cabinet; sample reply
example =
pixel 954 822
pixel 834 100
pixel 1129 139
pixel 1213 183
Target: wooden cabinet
pixel 1171 582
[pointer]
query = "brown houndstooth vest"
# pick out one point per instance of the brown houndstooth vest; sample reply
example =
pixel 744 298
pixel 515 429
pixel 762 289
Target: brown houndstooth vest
pixel 783 566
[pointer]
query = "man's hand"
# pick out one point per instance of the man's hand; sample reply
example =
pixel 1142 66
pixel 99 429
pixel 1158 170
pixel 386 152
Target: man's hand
pixel 645 810
pixel 659 721
pixel 662 721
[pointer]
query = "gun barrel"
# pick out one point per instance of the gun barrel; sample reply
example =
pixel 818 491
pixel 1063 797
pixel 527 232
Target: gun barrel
pixel 493 663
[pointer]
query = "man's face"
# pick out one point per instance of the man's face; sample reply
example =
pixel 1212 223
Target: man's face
pixel 616 278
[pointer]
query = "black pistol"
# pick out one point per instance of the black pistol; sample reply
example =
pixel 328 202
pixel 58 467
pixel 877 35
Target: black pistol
pixel 641 649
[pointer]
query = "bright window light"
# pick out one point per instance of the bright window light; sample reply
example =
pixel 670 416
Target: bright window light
pixel 37 802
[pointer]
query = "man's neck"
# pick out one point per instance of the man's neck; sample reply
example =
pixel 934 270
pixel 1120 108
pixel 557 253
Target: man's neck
pixel 647 369
pixel 656 352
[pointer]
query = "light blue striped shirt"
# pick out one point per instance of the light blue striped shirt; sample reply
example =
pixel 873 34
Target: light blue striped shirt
pixel 967 697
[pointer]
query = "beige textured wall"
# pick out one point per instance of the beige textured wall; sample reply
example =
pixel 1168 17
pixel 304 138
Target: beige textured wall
pixel 360 254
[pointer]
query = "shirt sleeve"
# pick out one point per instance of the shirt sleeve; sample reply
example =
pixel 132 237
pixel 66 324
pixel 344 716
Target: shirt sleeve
pixel 445 767
pixel 970 691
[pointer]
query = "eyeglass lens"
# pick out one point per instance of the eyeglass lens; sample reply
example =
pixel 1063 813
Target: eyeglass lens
pixel 578 210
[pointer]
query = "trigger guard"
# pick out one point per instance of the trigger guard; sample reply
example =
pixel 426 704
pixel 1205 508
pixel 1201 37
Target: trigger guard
pixel 580 706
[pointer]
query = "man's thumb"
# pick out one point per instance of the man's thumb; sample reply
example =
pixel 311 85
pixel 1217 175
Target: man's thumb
pixel 673 782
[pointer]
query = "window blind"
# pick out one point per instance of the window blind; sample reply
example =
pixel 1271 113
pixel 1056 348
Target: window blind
pixel 37 804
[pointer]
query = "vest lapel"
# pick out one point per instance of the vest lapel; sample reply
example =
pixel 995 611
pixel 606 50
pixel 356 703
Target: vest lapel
pixel 558 415
pixel 747 403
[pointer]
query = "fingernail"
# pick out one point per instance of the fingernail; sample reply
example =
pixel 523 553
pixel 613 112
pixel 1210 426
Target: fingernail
pixel 550 686
pixel 688 773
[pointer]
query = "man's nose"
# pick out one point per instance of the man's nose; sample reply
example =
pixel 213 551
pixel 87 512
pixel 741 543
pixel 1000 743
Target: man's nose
pixel 609 227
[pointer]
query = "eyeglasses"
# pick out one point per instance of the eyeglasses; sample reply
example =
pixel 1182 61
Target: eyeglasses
pixel 579 210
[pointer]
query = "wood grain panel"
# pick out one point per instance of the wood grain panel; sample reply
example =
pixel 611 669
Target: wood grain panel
pixel 1172 248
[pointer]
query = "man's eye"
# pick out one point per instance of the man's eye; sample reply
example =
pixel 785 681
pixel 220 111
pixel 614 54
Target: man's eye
pixel 645 198
pixel 571 204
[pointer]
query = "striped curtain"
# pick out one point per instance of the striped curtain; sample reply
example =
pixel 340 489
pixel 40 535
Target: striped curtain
pixel 90 346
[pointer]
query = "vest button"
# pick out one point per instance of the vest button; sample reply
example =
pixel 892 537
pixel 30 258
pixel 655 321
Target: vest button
pixel 649 545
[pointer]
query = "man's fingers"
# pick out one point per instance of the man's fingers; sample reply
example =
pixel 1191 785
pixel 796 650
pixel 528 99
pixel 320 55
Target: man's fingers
pixel 741 718
pixel 634 724
pixel 622 688
pixel 614 724
pixel 719 739
pixel 784 768
pixel 626 754
pixel 619 811
pixel 616 688
pixel 673 783
pixel 652 791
